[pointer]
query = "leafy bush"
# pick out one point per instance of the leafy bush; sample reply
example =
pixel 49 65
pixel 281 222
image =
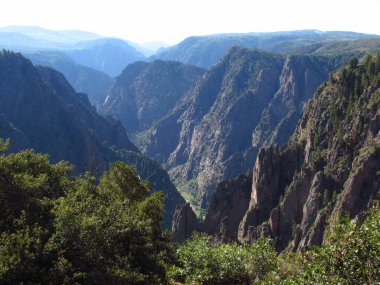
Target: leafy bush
pixel 203 261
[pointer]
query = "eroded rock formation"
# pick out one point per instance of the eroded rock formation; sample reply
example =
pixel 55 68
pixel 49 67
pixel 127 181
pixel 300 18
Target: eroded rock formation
pixel 184 222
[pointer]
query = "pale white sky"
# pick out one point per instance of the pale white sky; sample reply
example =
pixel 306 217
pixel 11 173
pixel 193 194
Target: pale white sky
pixel 171 21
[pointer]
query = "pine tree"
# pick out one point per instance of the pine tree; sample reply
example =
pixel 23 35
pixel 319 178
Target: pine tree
pixel 354 63
pixel 377 64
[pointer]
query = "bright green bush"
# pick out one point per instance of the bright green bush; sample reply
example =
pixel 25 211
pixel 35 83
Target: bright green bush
pixel 203 261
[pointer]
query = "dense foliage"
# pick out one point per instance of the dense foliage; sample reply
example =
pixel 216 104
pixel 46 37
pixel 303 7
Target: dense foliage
pixel 202 261
pixel 65 230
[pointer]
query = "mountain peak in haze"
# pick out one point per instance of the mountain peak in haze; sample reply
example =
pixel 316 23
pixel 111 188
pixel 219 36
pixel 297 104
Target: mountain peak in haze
pixel 60 36
pixel 108 55
pixel 154 45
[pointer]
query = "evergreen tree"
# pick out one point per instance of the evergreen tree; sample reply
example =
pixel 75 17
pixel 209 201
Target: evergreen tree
pixel 59 229
pixel 377 63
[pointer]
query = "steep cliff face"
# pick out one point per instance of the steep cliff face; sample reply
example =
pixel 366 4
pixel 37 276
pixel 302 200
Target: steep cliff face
pixel 184 222
pixel 329 167
pixel 40 110
pixel 228 206
pixel 145 92
pixel 249 100
pixel 17 138
pixel 298 81
pixel 217 127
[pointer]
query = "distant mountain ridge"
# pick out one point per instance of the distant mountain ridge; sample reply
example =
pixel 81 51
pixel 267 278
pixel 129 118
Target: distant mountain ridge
pixel 108 55
pixel 58 36
pixel 206 51
pixel 111 56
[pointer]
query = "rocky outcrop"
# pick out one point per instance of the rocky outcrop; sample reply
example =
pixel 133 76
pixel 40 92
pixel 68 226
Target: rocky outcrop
pixel 265 190
pixel 364 175
pixel 313 236
pixel 328 168
pixel 227 207
pixel 184 222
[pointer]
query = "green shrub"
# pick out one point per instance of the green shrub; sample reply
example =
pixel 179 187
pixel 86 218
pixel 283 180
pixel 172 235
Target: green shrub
pixel 203 261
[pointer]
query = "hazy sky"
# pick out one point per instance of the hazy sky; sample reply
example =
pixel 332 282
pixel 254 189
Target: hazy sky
pixel 171 21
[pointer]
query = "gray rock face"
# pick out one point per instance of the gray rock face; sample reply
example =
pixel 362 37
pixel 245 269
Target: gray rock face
pixel 314 236
pixel 217 128
pixel 264 193
pixel 353 199
pixel 228 206
pixel 184 222
pixel 298 81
